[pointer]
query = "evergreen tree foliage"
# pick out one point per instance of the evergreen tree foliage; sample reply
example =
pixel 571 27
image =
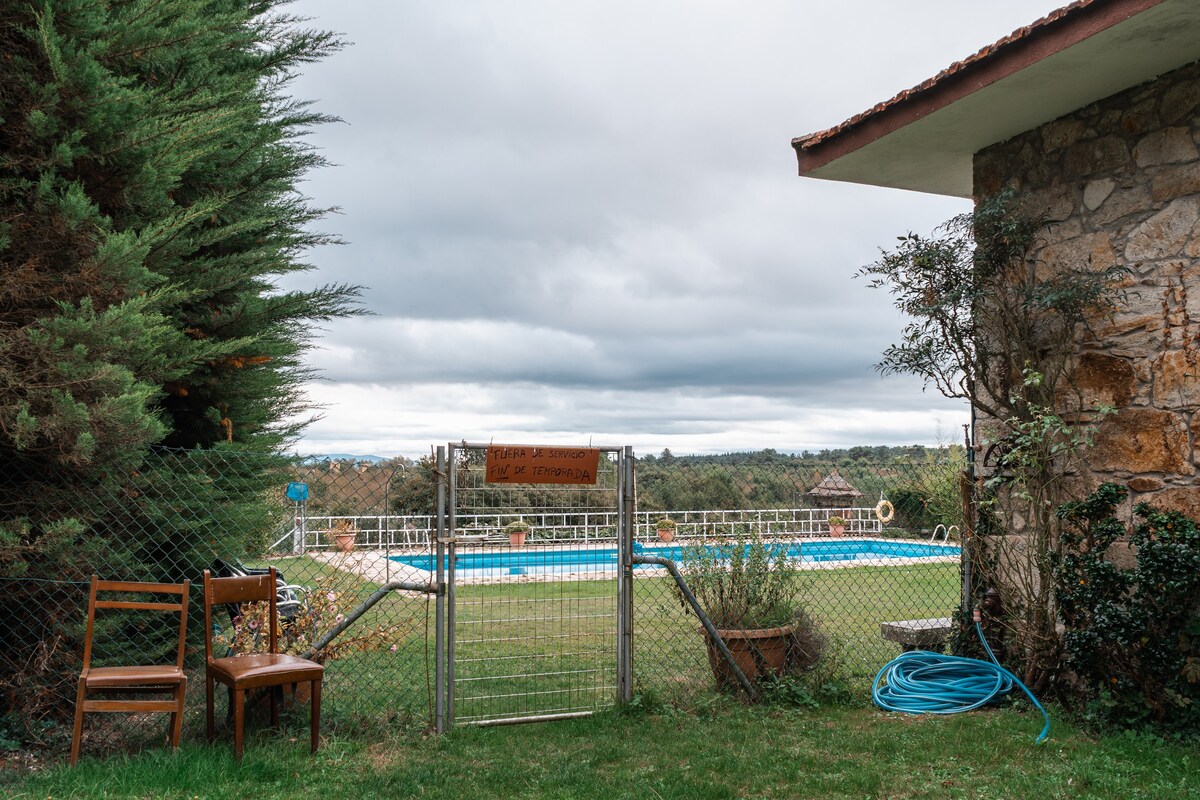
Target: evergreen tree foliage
pixel 149 162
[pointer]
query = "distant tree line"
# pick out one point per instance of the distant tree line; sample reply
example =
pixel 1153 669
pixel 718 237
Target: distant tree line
pixel 923 483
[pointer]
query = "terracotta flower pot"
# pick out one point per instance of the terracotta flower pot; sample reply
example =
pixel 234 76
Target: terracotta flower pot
pixel 757 652
pixel 666 534
pixel 517 538
pixel 345 541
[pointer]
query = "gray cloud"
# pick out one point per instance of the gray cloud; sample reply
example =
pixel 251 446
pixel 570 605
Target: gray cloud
pixel 583 218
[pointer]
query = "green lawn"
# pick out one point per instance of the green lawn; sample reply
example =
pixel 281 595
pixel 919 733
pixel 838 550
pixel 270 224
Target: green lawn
pixel 725 751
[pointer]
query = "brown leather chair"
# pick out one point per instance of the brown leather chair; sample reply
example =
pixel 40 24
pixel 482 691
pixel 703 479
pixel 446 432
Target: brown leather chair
pixel 244 672
pixel 157 679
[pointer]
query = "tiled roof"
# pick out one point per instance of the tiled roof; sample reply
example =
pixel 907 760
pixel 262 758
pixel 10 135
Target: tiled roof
pixel 1019 36
pixel 834 486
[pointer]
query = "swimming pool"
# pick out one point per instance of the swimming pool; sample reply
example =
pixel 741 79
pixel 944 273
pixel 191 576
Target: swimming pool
pixel 555 561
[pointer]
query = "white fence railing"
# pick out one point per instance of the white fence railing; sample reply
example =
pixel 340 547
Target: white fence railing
pixel 576 527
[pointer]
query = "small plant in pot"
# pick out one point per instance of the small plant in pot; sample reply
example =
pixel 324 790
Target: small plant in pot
pixel 837 526
pixel 344 535
pixel 666 529
pixel 517 530
pixel 752 591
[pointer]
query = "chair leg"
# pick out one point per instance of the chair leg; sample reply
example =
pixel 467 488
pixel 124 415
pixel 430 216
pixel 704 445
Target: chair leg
pixel 239 722
pixel 210 727
pixel 177 715
pixel 276 699
pixel 315 712
pixel 80 698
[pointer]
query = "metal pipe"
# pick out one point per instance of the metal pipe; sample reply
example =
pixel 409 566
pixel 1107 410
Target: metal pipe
pixel 968 490
pixel 362 608
pixel 487 723
pixel 704 620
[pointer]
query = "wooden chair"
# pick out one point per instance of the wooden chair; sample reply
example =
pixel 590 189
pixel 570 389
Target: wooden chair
pixel 136 680
pixel 255 670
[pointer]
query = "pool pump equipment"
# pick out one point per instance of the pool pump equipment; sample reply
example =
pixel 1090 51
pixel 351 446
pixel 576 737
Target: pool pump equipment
pixel 922 682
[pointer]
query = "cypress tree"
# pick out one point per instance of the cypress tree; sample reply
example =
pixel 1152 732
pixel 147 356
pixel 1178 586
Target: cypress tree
pixel 149 162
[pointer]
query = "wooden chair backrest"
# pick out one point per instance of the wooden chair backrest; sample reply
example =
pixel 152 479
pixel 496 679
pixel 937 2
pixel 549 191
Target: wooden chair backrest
pixel 125 588
pixel 239 589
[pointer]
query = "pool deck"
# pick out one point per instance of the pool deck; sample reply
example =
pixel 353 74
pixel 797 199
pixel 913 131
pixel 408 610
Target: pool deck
pixel 377 566
pixel 373 565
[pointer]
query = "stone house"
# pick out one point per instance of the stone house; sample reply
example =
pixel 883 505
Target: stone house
pixel 1092 115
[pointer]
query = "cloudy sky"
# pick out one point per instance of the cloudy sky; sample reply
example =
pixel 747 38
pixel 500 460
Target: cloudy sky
pixel 580 222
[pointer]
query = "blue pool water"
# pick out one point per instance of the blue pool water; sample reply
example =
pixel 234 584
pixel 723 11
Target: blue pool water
pixel 554 561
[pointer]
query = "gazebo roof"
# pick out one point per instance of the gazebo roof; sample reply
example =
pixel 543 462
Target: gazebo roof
pixel 833 486
pixel 925 138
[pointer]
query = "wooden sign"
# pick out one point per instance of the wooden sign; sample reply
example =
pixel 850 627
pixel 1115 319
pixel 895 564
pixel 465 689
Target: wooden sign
pixel 525 464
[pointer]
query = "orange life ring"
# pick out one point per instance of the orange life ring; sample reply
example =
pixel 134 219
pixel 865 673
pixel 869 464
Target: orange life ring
pixel 885 511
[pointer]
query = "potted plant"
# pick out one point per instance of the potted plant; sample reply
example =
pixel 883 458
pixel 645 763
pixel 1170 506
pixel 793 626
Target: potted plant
pixel 517 531
pixel 344 535
pixel 752 593
pixel 837 526
pixel 666 529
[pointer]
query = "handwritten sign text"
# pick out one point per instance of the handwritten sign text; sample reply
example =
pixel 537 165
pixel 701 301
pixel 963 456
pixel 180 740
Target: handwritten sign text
pixel 524 464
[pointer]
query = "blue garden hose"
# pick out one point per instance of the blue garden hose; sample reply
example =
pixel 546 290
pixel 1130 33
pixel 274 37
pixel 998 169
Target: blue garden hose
pixel 921 682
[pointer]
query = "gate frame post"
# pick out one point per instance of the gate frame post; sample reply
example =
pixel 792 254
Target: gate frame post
pixel 626 501
pixel 439 680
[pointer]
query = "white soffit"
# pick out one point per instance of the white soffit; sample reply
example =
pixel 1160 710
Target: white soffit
pixel 934 152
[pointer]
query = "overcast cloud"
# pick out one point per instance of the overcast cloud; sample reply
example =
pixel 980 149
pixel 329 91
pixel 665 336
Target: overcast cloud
pixel 581 222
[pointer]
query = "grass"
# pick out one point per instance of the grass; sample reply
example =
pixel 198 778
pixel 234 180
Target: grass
pixel 725 751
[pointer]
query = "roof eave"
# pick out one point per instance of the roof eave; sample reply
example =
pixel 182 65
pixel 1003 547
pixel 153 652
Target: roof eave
pixel 914 141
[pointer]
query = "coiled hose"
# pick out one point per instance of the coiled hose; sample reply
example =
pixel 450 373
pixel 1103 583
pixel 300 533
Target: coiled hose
pixel 921 682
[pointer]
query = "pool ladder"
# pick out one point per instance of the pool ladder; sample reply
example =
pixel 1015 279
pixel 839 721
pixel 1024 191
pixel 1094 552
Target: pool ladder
pixel 946 533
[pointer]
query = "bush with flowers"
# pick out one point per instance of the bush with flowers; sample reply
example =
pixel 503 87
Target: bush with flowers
pixel 305 620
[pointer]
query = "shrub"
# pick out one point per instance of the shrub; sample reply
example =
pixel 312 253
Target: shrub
pixel 745 583
pixel 1132 637
pixel 316 610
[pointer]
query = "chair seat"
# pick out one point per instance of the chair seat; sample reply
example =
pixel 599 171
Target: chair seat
pixel 267 668
pixel 164 675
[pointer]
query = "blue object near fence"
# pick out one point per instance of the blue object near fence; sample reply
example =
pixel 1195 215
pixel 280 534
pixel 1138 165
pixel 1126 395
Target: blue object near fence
pixel 921 682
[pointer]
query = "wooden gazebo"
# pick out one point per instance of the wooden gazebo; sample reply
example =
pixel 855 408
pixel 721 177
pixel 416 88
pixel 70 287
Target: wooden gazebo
pixel 833 491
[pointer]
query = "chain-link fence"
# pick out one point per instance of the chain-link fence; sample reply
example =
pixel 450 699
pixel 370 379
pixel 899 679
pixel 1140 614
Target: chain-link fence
pixel 338 531
pixel 874 543
pixel 167 519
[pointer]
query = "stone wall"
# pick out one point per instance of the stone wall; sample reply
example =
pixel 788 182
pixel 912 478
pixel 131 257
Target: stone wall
pixel 1119 183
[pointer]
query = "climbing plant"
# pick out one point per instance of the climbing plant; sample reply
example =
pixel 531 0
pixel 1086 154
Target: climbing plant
pixel 995 326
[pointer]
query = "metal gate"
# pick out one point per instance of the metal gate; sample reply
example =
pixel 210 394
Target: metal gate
pixel 534 566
